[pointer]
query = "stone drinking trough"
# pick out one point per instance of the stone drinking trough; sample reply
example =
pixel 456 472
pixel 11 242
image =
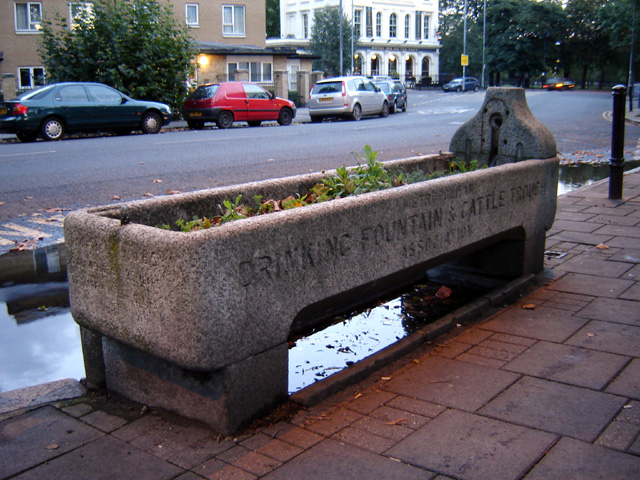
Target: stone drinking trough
pixel 198 322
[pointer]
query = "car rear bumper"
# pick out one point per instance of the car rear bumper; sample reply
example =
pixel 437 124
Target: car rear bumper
pixel 201 114
pixel 329 111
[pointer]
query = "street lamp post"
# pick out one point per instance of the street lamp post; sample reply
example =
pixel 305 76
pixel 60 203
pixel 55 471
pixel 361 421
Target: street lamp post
pixel 484 41
pixel 340 23
pixel 464 47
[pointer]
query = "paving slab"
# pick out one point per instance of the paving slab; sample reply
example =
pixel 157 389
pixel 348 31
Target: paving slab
pixel 580 237
pixel 575 225
pixel 612 309
pixel 331 460
pixel 591 285
pixel 104 459
pixel 554 407
pixel 541 323
pixel 452 383
pixel 595 266
pixel 628 382
pixel 608 337
pixel 31 397
pixel 574 460
pixel 39 436
pixel 468 446
pixel 620 231
pixel 633 293
pixel 567 364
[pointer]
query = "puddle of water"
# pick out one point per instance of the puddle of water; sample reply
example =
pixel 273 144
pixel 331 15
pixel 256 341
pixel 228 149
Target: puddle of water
pixel 39 341
pixel 572 177
pixel 350 339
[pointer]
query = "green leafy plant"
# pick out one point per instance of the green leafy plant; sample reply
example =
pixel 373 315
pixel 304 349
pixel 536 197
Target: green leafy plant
pixel 368 177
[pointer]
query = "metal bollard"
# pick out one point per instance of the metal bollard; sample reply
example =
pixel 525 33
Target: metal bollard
pixel 616 162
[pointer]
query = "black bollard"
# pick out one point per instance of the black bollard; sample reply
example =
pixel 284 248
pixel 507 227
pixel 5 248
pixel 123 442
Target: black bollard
pixel 616 162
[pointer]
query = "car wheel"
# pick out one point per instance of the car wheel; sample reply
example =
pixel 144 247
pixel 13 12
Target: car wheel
pixel 459 89
pixel 476 88
pixel 385 110
pixel 195 124
pixel 394 108
pixel 254 123
pixel 405 106
pixel 52 129
pixel 26 137
pixel 151 123
pixel 225 119
pixel 316 119
pixel 357 112
pixel 285 117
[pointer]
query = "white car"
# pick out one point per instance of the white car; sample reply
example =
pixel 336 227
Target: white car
pixel 352 97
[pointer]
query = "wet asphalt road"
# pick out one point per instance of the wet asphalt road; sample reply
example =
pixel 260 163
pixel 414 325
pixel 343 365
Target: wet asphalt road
pixel 41 181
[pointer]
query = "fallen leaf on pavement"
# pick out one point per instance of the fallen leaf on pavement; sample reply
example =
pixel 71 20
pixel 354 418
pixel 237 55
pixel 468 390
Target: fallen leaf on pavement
pixel 53 210
pixel 395 422
pixel 53 446
pixel 591 334
pixel 529 306
pixel 148 194
pixel 116 197
pixel 157 181
pixel 602 246
pixel 1 203
pixel 173 192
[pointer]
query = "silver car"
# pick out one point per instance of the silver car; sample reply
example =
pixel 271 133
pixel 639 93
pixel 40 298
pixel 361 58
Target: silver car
pixel 351 97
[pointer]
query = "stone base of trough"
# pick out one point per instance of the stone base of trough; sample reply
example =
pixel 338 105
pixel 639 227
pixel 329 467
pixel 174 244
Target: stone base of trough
pixel 218 398
pixel 497 297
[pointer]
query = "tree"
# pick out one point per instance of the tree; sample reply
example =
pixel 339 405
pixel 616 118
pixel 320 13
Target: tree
pixel 325 41
pixel 135 46
pixel 273 18
pixel 520 32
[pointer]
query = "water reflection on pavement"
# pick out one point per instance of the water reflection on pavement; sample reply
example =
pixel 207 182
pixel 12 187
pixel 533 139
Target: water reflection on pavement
pixel 39 341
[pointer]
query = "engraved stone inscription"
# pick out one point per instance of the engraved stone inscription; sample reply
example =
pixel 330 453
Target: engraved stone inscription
pixel 434 221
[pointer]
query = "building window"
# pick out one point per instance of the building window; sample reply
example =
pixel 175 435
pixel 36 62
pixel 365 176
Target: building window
pixel 305 25
pixel 357 23
pixel 30 77
pixel 393 25
pixel 418 25
pixel 232 20
pixel 80 11
pixel 407 26
pixel 369 21
pixel 191 14
pixel 258 72
pixel 28 16
pixel 425 24
pixel 378 24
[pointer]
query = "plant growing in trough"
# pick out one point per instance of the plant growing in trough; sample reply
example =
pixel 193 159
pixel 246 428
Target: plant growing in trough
pixel 370 177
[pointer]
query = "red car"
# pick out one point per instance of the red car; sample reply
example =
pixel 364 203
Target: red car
pixel 228 102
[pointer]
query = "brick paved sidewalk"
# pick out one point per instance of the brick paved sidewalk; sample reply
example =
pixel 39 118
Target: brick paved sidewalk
pixel 548 388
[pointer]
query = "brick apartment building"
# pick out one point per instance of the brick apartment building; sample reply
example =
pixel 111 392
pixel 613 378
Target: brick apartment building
pixel 230 33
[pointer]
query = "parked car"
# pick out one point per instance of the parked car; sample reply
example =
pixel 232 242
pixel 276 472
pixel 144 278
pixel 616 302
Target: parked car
pixel 228 102
pixel 401 86
pixel 558 84
pixel 351 97
pixel 397 99
pixel 456 85
pixel 53 110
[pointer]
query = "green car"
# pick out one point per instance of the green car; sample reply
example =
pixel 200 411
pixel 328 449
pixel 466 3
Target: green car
pixel 53 110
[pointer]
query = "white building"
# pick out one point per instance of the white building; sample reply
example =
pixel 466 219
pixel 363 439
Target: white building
pixel 392 37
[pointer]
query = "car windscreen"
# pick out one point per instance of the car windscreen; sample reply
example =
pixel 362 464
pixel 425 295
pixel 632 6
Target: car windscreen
pixel 327 87
pixel 204 92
